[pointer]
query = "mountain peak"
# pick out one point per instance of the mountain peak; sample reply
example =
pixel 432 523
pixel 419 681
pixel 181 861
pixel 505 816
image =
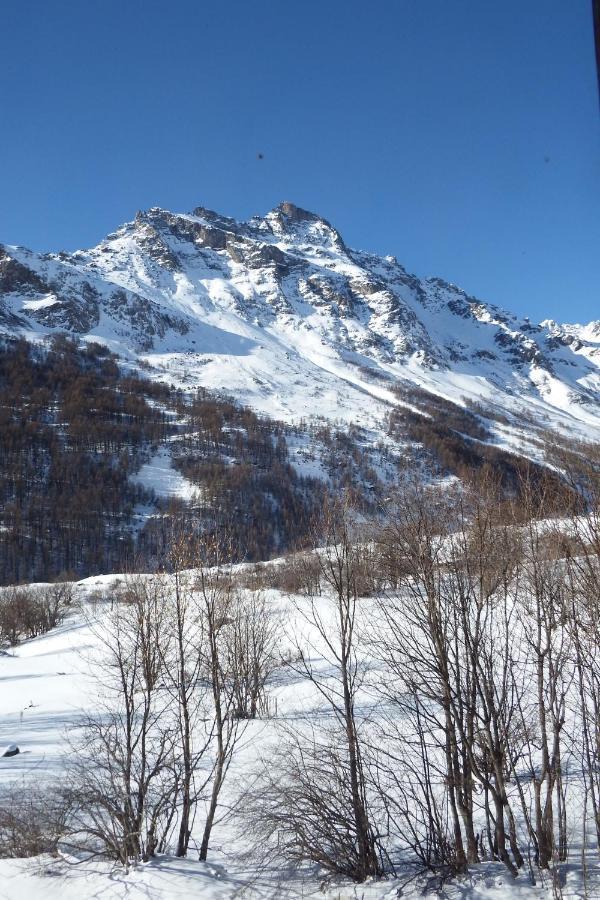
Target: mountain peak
pixel 289 219
pixel 296 213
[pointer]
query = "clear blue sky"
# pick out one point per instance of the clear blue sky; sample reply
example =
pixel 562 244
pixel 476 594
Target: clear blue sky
pixel 463 136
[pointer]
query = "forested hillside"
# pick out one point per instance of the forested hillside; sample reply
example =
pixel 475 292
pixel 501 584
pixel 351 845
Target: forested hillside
pixel 81 436
pixel 73 428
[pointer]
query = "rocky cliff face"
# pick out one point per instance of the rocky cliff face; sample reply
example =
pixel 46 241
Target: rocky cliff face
pixel 281 313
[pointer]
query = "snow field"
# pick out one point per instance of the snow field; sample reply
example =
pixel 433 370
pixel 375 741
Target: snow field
pixel 49 683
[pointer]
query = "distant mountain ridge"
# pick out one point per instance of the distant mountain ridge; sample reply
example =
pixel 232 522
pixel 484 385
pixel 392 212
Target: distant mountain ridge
pixel 282 315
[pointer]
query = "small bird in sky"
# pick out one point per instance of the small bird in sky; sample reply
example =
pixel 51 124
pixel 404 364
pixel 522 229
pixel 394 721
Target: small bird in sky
pixel 260 156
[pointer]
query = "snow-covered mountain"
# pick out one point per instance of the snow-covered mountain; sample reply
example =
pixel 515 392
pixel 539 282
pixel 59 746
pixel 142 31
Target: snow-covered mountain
pixel 282 315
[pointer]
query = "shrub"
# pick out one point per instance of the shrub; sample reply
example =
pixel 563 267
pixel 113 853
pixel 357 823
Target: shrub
pixel 27 612
pixel 32 820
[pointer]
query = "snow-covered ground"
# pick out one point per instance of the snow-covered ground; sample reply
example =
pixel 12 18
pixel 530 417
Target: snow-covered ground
pixel 170 878
pixel 48 683
pixel 159 475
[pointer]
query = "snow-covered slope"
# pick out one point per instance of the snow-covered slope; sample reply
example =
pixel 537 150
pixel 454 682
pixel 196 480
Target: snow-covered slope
pixel 281 314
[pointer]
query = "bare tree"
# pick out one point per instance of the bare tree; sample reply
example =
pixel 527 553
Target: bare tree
pixel 543 612
pixel 338 802
pixel 217 653
pixel 413 638
pixel 582 566
pixel 252 651
pixel 185 680
pixel 214 590
pixel 445 638
pixel 302 807
pixel 124 775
